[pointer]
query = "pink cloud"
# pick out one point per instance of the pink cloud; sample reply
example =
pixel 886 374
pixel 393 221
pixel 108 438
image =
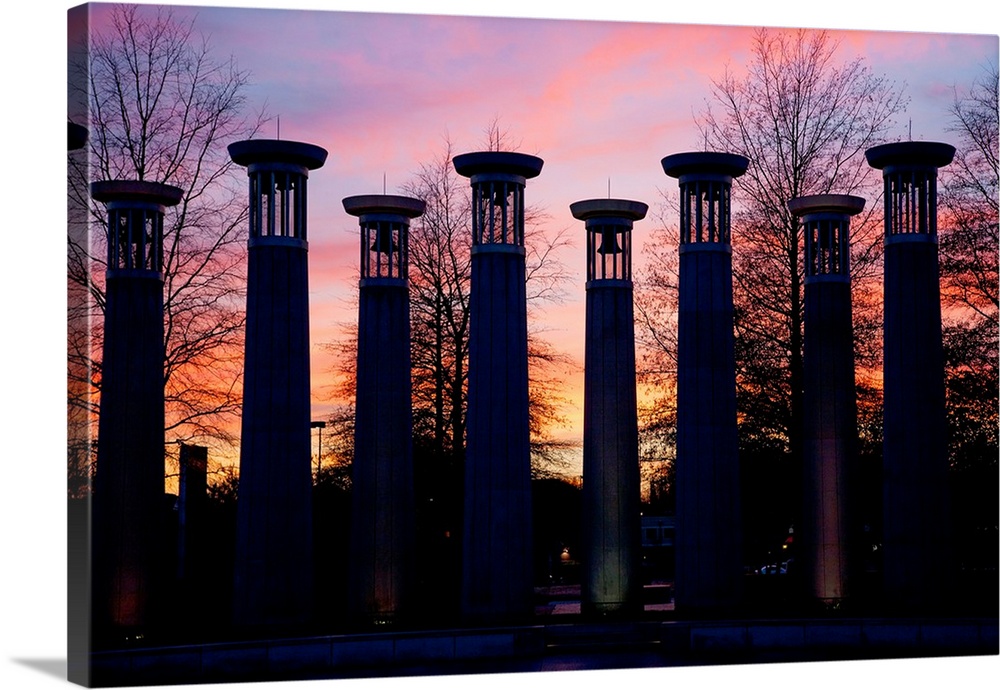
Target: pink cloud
pixel 595 100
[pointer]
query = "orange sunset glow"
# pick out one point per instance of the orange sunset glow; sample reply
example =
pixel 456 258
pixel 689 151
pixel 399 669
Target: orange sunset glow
pixel 600 102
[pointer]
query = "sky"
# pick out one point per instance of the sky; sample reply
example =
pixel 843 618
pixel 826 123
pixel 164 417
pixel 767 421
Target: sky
pixel 577 94
pixel 601 102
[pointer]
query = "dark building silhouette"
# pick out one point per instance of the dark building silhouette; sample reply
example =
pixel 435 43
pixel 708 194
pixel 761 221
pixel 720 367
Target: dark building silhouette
pixel 128 527
pixel 382 555
pixel 274 541
pixel 709 536
pixel 195 537
pixel 497 576
pixel 916 523
pixel 611 580
pixel 192 496
pixel 828 535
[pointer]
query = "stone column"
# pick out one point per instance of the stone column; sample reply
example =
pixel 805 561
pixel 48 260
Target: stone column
pixel 497 575
pixel 916 523
pixel 828 535
pixel 383 512
pixel 612 582
pixel 709 536
pixel 128 530
pixel 274 542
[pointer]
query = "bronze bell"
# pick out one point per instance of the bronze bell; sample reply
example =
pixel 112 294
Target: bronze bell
pixel 283 182
pixel 384 242
pixel 609 242
pixel 134 226
pixel 124 235
pixel 500 196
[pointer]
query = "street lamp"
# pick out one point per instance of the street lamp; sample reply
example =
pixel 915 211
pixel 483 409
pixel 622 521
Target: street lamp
pixel 319 451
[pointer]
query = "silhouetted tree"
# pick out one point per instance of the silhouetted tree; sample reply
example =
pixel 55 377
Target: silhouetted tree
pixel 440 269
pixel 556 530
pixel 440 243
pixel 969 275
pixel 968 201
pixel 804 117
pixel 655 300
pixel 223 487
pixel 162 108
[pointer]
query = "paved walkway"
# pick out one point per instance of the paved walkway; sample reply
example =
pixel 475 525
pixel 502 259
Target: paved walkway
pixel 559 639
pixel 565 599
pixel 570 644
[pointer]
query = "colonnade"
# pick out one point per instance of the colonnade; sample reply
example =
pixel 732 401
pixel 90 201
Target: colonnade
pixel 274 572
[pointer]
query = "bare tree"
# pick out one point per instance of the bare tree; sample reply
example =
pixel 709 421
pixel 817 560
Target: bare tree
pixel 655 298
pixel 969 278
pixel 968 244
pixel 440 269
pixel 969 199
pixel 804 118
pixel 546 278
pixel 550 456
pixel 440 262
pixel 440 266
pixel 440 255
pixel 162 108
pixel 337 450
